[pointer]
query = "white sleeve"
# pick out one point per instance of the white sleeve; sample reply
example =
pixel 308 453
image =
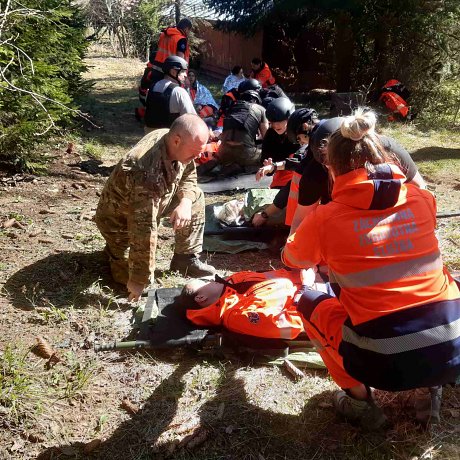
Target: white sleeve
pixel 180 102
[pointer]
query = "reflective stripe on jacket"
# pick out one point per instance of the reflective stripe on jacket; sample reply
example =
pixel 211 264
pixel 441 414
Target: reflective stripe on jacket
pixel 265 309
pixel 293 198
pixel 167 45
pixel 377 237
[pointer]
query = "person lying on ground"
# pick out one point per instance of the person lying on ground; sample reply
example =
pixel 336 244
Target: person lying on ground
pixel 155 179
pixel 395 323
pixel 202 99
pixel 298 129
pixel 233 80
pixel 250 303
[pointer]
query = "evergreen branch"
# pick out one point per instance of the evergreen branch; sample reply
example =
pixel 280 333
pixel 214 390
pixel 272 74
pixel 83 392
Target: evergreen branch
pixel 15 88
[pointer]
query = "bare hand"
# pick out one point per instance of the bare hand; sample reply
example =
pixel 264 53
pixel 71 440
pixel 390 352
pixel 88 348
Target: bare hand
pixel 263 171
pixel 308 276
pixel 268 162
pixel 135 290
pixel 182 215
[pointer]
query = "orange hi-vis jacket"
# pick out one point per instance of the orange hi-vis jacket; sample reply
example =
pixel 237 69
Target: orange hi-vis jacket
pixel 167 45
pixel 293 198
pixel 266 309
pixel 395 103
pixel 264 75
pixel 377 238
pixel 282 177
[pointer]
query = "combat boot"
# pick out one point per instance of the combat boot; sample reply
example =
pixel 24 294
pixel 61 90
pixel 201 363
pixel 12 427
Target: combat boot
pixel 364 412
pixel 427 404
pixel 191 265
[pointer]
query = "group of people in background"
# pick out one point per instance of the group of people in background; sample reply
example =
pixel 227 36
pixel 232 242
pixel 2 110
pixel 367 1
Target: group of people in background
pixel 353 199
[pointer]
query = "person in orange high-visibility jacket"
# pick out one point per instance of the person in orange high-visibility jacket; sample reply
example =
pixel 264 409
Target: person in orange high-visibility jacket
pixel 250 303
pixel 260 71
pixel 172 42
pixel 396 323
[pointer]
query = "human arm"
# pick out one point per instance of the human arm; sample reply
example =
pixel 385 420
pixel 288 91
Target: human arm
pixel 303 247
pixel 301 212
pixel 181 102
pixel 261 217
pixel 181 48
pixel 269 168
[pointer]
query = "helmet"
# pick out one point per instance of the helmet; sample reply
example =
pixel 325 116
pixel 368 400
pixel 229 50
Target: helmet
pixel 251 96
pixel 250 83
pixel 321 133
pixel 296 120
pixel 267 97
pixel 174 62
pixel 279 109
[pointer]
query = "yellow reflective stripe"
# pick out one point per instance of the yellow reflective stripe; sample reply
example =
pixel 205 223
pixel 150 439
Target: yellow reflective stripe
pixel 390 272
pixel 296 179
pixel 294 195
pixel 407 342
pixel 284 326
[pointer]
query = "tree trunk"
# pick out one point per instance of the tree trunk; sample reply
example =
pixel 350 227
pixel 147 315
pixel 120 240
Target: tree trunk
pixel 344 47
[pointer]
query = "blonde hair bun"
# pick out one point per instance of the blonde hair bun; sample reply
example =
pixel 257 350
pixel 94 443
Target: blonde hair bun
pixel 356 126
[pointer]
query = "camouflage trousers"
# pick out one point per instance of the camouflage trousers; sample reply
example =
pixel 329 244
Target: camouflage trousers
pixel 239 154
pixel 114 229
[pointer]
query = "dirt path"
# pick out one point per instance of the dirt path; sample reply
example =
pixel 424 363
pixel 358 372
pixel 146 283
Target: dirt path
pixel 55 285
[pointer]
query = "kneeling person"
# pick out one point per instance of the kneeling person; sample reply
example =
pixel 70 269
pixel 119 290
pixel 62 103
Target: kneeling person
pixel 250 303
pixel 157 178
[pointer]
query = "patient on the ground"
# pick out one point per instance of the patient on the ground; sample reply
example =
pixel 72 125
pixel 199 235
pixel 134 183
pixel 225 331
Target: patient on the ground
pixel 251 303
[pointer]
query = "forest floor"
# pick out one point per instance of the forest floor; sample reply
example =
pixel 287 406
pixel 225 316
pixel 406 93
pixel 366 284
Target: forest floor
pixel 55 285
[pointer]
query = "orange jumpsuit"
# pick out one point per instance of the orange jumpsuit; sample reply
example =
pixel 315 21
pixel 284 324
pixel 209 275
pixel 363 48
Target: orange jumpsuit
pixel 396 324
pixel 265 309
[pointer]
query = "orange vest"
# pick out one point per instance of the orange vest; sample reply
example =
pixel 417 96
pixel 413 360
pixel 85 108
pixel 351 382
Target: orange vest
pixel 266 309
pixel 377 238
pixel 209 153
pixel 293 198
pixel 395 103
pixel 264 75
pixel 167 45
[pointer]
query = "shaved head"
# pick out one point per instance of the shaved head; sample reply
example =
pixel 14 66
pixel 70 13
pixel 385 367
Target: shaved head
pixel 187 138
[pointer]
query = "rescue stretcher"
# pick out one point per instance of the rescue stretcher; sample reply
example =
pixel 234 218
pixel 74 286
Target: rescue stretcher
pixel 163 325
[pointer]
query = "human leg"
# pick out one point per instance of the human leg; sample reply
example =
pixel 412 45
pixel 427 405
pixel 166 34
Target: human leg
pixel 323 318
pixel 116 237
pixel 189 242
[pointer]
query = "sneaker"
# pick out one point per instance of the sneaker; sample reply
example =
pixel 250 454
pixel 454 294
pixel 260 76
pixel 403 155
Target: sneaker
pixel 427 405
pixel 190 265
pixel 365 412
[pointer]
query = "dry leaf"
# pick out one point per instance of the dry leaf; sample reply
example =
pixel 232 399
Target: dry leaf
pixel 92 445
pixel 198 437
pixel 129 407
pixel 46 240
pixel 455 413
pixel 184 426
pixel 220 411
pixel 69 147
pixel 35 232
pixel 9 223
pixel 293 370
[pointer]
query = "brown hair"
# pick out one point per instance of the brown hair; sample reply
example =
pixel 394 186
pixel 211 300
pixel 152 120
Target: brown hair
pixel 355 145
pixel 186 299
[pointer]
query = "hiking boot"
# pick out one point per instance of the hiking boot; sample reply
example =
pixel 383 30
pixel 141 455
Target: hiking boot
pixel 365 412
pixel 190 265
pixel 427 404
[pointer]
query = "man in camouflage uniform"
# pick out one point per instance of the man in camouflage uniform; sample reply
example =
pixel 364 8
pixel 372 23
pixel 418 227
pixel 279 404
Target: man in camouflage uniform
pixel 156 178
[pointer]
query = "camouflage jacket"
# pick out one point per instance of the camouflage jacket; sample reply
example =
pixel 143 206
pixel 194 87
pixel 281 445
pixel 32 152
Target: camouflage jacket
pixel 138 192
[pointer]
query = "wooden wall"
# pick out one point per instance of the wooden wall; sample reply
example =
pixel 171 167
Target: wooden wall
pixel 224 50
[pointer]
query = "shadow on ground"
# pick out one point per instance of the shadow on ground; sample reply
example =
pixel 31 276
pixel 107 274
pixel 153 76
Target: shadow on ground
pixel 435 153
pixel 65 279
